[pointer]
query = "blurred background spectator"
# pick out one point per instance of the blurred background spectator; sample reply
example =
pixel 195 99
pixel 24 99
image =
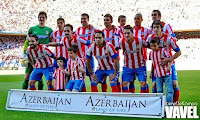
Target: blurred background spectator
pixel 11 49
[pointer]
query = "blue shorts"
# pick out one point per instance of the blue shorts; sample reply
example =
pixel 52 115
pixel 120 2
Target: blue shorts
pixel 128 74
pixel 92 64
pixel 55 65
pixel 174 74
pixel 101 74
pixel 37 73
pixel 75 84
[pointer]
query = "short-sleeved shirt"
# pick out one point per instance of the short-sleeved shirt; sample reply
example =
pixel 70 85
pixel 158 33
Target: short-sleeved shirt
pixel 156 57
pixel 104 55
pixel 73 65
pixel 42 56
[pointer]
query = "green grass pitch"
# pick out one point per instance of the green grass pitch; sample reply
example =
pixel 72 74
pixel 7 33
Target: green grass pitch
pixel 189 83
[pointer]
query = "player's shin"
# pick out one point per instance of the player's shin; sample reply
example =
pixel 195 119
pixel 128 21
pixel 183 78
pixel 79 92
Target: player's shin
pixel 50 86
pixel 40 85
pixel 132 87
pixel 114 86
pixel 104 86
pixel 25 84
pixel 94 86
pixel 119 86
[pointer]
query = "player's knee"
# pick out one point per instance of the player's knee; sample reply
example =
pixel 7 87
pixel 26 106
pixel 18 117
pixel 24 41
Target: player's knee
pixel 32 82
pixel 113 83
pixel 27 76
pixel 143 83
pixel 49 83
pixel 124 84
pixel 93 83
pixel 154 85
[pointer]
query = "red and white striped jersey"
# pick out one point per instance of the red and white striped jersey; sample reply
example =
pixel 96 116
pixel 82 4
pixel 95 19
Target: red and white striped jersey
pixel 133 52
pixel 143 33
pixel 110 35
pixel 73 65
pixel 74 41
pixel 118 34
pixel 166 41
pixel 59 79
pixel 166 28
pixel 86 33
pixel 104 55
pixel 42 56
pixel 156 57
pixel 60 51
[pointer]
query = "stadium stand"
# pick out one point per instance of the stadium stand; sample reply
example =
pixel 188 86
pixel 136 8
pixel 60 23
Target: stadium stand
pixel 11 48
pixel 18 16
pixel 180 13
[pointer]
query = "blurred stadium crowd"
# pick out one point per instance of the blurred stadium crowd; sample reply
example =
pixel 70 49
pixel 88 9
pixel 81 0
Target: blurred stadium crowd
pixel 19 15
pixel 11 48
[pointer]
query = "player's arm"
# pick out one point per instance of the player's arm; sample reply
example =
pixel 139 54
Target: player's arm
pixel 114 56
pixel 83 40
pixel 49 53
pixel 89 66
pixel 151 72
pixel 81 67
pixel 66 81
pixel 54 44
pixel 171 32
pixel 144 43
pixel 116 64
pixel 116 38
pixel 152 68
pixel 176 55
pixel 148 41
pixel 31 60
pixel 25 47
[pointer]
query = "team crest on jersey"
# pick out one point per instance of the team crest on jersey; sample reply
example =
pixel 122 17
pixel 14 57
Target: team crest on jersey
pixel 47 32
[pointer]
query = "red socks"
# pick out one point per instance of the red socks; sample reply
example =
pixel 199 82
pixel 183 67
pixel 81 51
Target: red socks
pixel 176 94
pixel 83 89
pixel 94 88
pixel 114 89
pixel 104 87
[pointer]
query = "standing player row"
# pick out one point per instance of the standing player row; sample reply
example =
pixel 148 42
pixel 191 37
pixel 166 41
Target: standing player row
pixel 85 35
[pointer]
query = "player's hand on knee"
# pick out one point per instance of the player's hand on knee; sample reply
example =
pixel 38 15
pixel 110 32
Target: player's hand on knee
pixel 112 76
pixel 94 77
